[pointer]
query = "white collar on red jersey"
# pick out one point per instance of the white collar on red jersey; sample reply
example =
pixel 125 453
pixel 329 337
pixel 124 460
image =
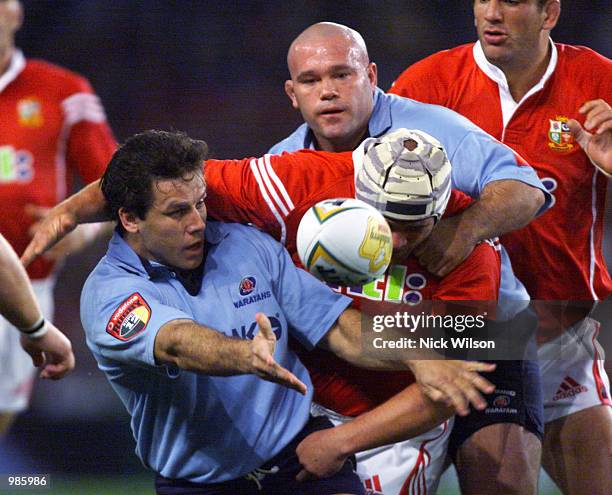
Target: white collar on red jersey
pixel 17 64
pixel 508 104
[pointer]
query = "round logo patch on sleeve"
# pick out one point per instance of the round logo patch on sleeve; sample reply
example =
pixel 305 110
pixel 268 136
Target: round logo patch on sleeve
pixel 130 318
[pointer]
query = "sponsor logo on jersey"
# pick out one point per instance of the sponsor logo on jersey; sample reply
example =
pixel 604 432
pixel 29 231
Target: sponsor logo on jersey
pixel 569 388
pixel 15 165
pixel 247 285
pixel 249 331
pixel 30 112
pixel 395 285
pixel 559 136
pixel 130 318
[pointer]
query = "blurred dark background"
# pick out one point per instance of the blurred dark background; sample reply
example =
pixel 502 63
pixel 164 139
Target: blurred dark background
pixel 215 70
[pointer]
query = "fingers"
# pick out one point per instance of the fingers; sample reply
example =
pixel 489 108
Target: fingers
pixel 598 115
pixel 277 374
pixel 581 136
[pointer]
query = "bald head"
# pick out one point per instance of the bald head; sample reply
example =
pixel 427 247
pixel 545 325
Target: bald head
pixel 322 36
pixel 332 84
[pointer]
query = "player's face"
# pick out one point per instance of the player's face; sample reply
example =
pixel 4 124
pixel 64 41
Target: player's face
pixel 172 232
pixel 512 31
pixel 332 85
pixel 10 22
pixel 408 235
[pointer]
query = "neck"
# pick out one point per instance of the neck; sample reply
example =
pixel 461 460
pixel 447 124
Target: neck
pixel 337 146
pixel 525 73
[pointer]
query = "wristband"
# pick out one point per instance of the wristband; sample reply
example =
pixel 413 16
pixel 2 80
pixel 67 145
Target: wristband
pixel 36 330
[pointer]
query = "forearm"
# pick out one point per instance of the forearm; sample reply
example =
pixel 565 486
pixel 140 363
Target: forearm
pixel 406 415
pixel 344 340
pixel 193 347
pixel 504 206
pixel 17 301
pixel 87 205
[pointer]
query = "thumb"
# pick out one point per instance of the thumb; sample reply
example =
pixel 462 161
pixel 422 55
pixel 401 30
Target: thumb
pixel 265 327
pixel 35 211
pixel 580 134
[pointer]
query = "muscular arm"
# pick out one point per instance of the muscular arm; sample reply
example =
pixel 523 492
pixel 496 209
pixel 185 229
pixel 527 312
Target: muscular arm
pixel 406 415
pixel 450 382
pixel 194 347
pixel 504 206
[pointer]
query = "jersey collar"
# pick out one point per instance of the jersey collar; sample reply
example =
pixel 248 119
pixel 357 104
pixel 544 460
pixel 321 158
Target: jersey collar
pixel 497 75
pixel 16 65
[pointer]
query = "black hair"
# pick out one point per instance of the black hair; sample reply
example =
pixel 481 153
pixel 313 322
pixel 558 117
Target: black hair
pixel 143 159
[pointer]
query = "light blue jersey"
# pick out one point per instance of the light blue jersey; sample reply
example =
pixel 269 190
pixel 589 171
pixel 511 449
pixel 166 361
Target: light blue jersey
pixel 202 428
pixel 477 159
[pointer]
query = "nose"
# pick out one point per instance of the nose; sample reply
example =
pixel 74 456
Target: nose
pixel 399 240
pixel 493 11
pixel 328 89
pixel 196 221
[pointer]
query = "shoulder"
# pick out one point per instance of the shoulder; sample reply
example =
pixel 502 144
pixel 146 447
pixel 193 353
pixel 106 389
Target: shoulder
pixel 583 63
pixel 54 76
pixel 445 65
pixel 293 142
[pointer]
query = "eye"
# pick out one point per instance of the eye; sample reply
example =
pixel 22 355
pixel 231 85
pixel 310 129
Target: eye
pixel 200 204
pixel 342 75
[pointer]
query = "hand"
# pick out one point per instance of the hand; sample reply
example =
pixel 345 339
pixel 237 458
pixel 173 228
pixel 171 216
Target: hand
pixel 597 144
pixel 445 248
pixel 262 360
pixel 454 383
pixel 52 352
pixel 51 227
pixel 320 455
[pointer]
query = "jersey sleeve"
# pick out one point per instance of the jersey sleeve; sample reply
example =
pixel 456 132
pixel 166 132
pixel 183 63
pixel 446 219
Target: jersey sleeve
pixel 121 321
pixel 266 191
pixel 480 159
pixel 91 143
pixel 310 306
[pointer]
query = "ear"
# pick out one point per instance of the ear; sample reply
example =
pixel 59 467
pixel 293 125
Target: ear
pixel 372 74
pixel 291 94
pixel 129 220
pixel 552 11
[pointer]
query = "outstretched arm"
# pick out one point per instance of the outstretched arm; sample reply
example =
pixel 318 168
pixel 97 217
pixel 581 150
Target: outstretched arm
pixel 49 348
pixel 450 382
pixel 193 347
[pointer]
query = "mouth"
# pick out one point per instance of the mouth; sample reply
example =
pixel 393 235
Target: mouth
pixel 331 112
pixel 494 36
pixel 195 247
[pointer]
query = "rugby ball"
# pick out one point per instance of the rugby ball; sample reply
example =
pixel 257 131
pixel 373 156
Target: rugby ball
pixel 344 242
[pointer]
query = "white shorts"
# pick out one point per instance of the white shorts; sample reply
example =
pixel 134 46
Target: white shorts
pixel 411 467
pixel 572 371
pixel 16 369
